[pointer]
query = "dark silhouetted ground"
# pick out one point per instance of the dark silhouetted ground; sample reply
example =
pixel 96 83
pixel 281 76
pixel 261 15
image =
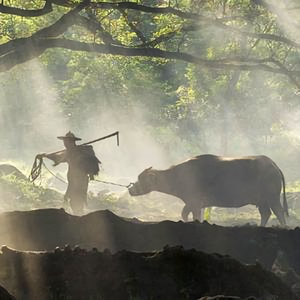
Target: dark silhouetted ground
pixel 173 273
pixel 141 259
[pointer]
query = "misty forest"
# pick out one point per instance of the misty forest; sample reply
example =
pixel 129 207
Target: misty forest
pixel 150 149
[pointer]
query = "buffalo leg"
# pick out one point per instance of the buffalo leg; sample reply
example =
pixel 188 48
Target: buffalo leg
pixel 185 213
pixel 279 213
pixel 265 214
pixel 198 214
pixel 202 214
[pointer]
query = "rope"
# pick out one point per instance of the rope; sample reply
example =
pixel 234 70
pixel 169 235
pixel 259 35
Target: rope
pixel 122 185
pixel 106 182
pixel 37 167
pixel 54 174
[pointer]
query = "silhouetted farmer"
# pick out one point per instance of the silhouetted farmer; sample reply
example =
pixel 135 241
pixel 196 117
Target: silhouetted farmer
pixel 83 166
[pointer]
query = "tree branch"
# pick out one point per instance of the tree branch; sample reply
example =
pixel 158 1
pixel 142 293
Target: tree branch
pixel 289 74
pixel 40 45
pixel 263 36
pixel 195 17
pixel 54 30
pixel 65 3
pixel 147 9
pixel 20 50
pixel 95 27
pixel 138 32
pixel 27 13
pixel 154 10
pixel 162 38
pixel 99 5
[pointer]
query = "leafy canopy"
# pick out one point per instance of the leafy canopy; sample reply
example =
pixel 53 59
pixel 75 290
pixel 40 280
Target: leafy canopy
pixel 244 35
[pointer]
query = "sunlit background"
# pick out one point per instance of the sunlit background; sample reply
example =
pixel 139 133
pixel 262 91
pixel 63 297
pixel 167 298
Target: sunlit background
pixel 165 112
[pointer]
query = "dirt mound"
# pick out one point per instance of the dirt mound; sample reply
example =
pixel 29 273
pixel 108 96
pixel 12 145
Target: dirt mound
pixel 140 259
pixel 222 297
pixel 173 273
pixel 5 295
pixel 7 169
pixel 45 229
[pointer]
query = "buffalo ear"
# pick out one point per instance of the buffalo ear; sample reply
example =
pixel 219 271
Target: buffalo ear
pixel 148 169
pixel 152 178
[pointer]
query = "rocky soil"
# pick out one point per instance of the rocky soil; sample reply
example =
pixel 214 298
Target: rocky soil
pixel 46 229
pixel 109 257
pixel 173 273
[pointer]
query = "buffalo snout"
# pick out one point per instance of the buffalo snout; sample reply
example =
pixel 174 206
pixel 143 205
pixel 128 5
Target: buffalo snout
pixel 134 190
pixel 138 189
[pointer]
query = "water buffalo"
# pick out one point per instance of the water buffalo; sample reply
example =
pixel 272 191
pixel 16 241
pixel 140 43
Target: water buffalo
pixel 209 180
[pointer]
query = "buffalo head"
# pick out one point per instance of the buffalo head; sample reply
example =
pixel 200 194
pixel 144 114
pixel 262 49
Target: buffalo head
pixel 146 183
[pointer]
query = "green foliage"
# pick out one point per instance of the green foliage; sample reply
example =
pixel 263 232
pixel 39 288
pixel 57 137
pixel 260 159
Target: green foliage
pixel 18 194
pixel 293 187
pixel 207 214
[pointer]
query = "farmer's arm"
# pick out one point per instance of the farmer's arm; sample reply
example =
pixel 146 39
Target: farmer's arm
pixel 57 158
